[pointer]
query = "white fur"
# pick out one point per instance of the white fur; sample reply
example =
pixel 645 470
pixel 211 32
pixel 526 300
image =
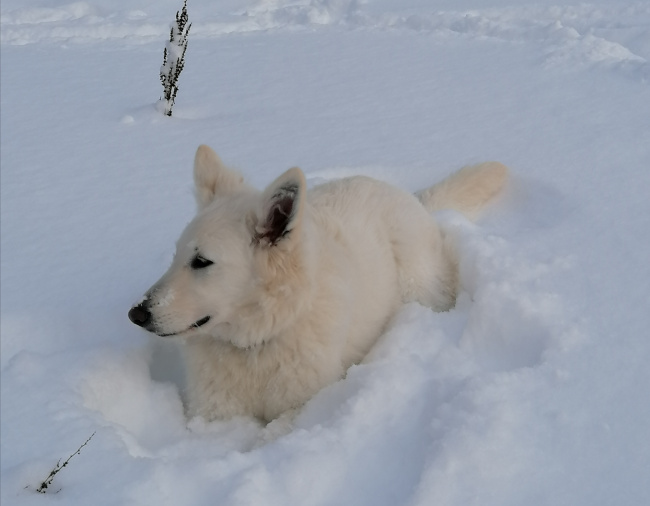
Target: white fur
pixel 290 313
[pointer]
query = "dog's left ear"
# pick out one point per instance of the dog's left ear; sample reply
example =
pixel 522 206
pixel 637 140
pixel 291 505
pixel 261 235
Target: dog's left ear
pixel 212 177
pixel 281 210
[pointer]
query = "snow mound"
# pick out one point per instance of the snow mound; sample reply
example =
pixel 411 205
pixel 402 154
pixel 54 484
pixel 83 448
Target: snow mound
pixel 569 35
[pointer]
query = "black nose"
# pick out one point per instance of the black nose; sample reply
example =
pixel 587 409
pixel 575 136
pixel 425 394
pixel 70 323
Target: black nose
pixel 139 315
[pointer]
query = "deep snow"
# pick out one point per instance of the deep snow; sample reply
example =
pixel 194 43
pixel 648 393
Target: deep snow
pixel 534 390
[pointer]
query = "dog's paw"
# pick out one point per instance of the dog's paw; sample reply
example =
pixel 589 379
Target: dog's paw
pixel 277 428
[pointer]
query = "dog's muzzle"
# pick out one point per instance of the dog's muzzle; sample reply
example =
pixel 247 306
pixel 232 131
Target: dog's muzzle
pixel 141 316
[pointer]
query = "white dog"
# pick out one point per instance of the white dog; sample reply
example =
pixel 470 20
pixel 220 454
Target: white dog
pixel 277 293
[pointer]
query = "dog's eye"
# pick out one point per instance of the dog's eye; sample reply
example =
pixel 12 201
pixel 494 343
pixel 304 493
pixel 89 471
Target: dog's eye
pixel 198 262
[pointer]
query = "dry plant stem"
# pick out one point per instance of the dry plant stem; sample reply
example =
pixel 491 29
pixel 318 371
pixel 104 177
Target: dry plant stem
pixel 48 481
pixel 174 60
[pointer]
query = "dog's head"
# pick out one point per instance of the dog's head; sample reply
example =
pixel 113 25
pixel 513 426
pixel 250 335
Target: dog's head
pixel 239 272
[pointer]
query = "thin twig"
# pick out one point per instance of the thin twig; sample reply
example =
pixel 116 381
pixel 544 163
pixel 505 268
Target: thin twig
pixel 48 481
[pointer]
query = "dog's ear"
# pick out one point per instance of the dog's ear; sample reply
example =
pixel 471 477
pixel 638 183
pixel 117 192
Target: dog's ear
pixel 281 210
pixel 211 177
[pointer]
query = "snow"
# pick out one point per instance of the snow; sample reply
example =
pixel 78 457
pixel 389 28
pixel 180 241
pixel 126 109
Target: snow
pixel 533 390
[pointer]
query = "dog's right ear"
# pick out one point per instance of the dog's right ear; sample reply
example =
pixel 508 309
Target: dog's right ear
pixel 212 177
pixel 281 209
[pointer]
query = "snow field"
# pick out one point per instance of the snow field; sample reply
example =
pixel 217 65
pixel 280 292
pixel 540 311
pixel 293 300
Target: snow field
pixel 533 390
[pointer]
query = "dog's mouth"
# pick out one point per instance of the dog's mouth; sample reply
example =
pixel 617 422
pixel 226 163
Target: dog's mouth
pixel 195 325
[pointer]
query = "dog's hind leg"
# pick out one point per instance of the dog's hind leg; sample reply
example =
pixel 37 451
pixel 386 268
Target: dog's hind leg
pixel 426 262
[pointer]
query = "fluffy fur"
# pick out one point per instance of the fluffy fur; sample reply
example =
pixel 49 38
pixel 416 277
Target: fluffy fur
pixel 276 293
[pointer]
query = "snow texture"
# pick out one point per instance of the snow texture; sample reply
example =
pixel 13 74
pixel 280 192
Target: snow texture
pixel 533 390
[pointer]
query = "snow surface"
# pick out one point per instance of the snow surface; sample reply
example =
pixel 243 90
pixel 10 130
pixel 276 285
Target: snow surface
pixel 534 390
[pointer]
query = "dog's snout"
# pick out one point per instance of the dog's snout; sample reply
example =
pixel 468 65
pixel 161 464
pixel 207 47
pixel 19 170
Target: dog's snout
pixel 139 315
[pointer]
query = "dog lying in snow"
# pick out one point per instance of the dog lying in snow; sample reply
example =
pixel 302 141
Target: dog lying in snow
pixel 276 293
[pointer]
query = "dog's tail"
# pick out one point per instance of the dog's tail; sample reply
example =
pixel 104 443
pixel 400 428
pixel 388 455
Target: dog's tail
pixel 468 191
